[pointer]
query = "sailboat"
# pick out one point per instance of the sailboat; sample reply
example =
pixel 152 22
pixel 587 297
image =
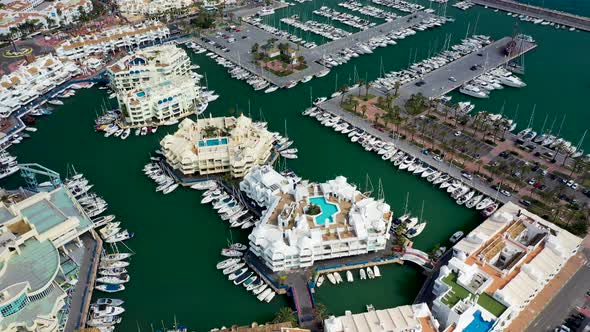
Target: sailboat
pixel 336 92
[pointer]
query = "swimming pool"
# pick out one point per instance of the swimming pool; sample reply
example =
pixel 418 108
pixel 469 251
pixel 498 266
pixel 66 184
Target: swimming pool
pixel 328 210
pixel 478 324
pixel 213 142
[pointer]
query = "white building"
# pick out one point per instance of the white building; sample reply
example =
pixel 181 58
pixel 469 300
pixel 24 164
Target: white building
pixel 217 145
pixel 151 7
pixel 155 85
pixel 36 270
pixel 32 80
pixel 107 41
pixel 499 268
pixel 287 237
pixel 54 13
pixel 414 318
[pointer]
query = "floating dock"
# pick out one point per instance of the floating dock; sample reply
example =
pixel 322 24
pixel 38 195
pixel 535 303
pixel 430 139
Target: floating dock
pixel 559 17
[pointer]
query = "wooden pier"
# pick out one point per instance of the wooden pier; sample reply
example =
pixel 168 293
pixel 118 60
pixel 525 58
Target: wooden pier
pixel 559 17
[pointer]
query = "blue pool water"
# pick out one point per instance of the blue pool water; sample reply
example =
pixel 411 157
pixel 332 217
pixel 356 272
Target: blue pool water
pixel 213 142
pixel 478 324
pixel 328 210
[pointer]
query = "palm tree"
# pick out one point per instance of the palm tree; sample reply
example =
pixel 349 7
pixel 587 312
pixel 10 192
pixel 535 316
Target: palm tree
pixel 377 117
pixel 285 314
pixel 343 89
pixel 321 311
pixel 363 109
pixel 361 82
pixel 367 87
pixel 396 87
pixel 355 103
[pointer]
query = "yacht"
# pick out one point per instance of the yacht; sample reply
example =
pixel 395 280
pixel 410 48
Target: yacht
pixel 264 11
pixel 456 237
pixel 473 91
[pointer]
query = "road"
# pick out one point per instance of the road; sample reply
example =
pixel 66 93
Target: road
pixel 565 302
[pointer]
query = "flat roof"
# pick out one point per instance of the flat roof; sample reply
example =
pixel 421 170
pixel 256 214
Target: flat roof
pixel 36 264
pixel 64 203
pixel 5 214
pixel 43 215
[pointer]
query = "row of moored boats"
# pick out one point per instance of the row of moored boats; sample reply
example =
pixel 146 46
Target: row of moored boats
pixel 457 188
pixel 335 278
pixel 230 209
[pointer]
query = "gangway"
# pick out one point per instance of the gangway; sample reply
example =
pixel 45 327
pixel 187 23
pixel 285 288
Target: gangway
pixel 417 256
pixel 30 171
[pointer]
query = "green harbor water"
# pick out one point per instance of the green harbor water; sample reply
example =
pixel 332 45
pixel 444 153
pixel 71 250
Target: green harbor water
pixel 178 239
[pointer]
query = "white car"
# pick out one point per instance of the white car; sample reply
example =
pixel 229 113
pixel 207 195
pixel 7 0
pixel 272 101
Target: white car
pixel 458 133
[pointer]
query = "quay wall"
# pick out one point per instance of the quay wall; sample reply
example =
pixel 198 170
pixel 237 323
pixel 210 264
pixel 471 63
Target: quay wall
pixel 579 22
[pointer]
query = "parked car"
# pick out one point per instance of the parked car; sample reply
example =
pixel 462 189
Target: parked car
pixel 458 133
pixel 467 175
pixel 505 192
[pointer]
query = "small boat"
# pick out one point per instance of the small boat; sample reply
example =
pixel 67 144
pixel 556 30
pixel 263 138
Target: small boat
pixel 337 277
pixel 320 281
pixel 115 280
pixel 112 265
pixel 238 246
pixel 416 230
pixel 456 237
pixel 233 268
pixel 249 281
pixel 105 310
pixel 227 263
pixel 243 278
pixel 349 276
pixel 236 274
pixel 122 236
pixel 270 296
pixel 260 289
pixel 231 253
pixel 363 274
pixel 255 285
pixel 113 302
pixel 104 321
pixel 376 271
pixel 116 257
pixel 113 271
pixel 110 288
pixel 264 294
pixel 331 278
pixel 370 273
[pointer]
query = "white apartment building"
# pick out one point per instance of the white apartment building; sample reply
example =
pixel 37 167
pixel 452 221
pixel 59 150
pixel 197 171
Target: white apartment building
pixel 151 7
pixel 59 12
pixel 288 237
pixel 32 80
pixel 498 269
pixel 36 270
pixel 146 64
pixel 217 145
pixel 107 41
pixel 414 318
pixel 155 85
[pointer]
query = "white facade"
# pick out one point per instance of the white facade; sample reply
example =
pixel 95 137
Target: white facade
pixel 155 85
pixel 32 234
pixel 495 254
pixel 59 12
pixel 151 7
pixel 217 145
pixel 30 81
pixel 415 318
pixel 288 238
pixel 107 41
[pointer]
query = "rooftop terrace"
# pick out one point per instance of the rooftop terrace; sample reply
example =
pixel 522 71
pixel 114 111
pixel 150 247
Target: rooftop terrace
pixel 459 293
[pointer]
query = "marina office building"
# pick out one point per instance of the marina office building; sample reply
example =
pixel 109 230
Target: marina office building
pixel 155 85
pixel 306 222
pixel 416 318
pixel 37 236
pixel 217 145
pixel 112 39
pixel 29 81
pixel 498 269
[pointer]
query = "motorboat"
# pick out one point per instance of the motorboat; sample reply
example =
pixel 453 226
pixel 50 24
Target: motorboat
pixel 376 271
pixel 104 321
pixel 105 310
pixel 320 281
pixel 114 280
pixel 231 253
pixel 416 230
pixel 484 203
pixel 116 257
pixel 349 276
pixel 456 237
pixel 112 271
pixel 233 268
pixel 270 296
pixel 331 278
pixel 259 290
pixel 264 294
pixel 236 274
pixel 337 277
pixel 370 273
pixel 108 301
pixel 243 278
pixel 227 263
pixel 474 201
pixel 112 265
pixel 254 285
pixel 110 288
pixel 122 236
pixel 238 246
